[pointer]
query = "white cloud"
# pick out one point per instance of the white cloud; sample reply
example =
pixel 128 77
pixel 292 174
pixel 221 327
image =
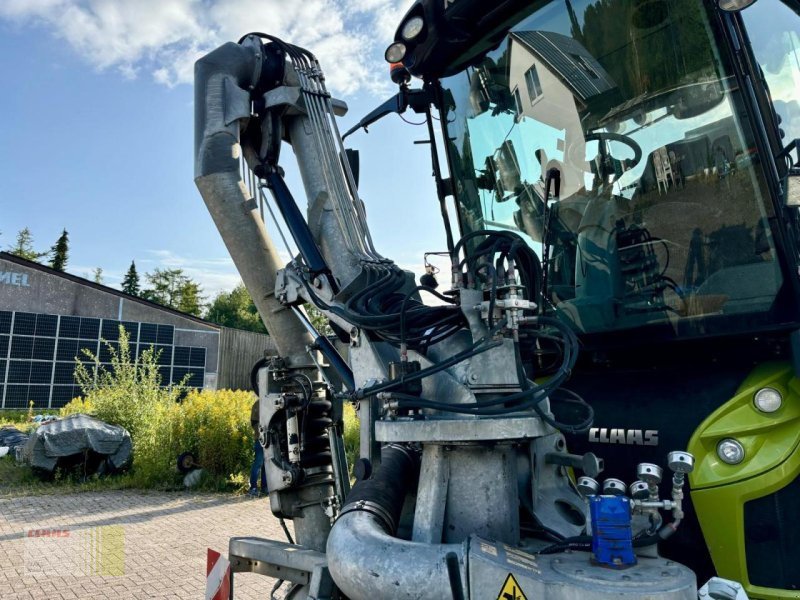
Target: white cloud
pixel 214 275
pixel 163 38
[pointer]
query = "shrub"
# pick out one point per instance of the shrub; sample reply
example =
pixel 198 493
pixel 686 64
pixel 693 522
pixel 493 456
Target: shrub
pixel 77 406
pixel 215 426
pixel 129 392
pixel 165 422
pixel 351 434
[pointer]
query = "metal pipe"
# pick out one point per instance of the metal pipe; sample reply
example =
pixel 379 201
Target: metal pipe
pixel 367 563
pixel 222 102
pixel 365 559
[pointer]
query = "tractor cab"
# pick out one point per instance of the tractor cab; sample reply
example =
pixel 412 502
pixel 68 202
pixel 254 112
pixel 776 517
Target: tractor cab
pixel 644 151
pixel 623 141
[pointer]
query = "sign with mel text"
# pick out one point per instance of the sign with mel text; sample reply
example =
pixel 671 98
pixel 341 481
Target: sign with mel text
pixel 17 279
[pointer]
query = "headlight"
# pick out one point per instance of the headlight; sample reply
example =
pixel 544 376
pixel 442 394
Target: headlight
pixel 730 451
pixel 395 53
pixel 412 28
pixel 768 400
pixel 734 5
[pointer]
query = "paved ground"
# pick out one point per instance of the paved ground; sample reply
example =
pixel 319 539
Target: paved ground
pixel 124 544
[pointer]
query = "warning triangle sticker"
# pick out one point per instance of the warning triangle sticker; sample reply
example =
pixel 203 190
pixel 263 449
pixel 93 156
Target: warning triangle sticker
pixel 511 590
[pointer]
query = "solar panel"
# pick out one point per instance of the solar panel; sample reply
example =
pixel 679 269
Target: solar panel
pixel 41 372
pixel 110 330
pixel 21 346
pixel 5 321
pixel 148 333
pixel 24 324
pixel 46 325
pixel 90 328
pixel 69 327
pixel 33 341
pixel 67 350
pixel 43 348
pixel 198 357
pixel 19 371
pixel 165 334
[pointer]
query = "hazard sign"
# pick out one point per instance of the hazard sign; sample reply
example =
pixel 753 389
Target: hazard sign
pixel 511 590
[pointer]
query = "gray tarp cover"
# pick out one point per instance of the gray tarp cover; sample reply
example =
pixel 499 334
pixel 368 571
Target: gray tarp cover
pixel 74 434
pixel 12 437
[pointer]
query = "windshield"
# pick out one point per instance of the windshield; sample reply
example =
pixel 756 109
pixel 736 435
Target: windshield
pixel 774 32
pixel 662 215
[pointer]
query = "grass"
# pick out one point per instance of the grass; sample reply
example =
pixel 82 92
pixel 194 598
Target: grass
pixel 20 480
pixel 15 418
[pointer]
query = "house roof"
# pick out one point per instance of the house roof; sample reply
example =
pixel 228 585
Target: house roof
pixel 570 61
pixel 7 256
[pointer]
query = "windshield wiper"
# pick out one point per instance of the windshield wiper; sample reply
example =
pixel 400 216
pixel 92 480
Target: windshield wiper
pixel 416 99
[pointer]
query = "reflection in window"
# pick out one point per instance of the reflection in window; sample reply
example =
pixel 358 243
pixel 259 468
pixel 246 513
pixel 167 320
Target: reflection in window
pixel 534 86
pixel 663 215
pixel 774 31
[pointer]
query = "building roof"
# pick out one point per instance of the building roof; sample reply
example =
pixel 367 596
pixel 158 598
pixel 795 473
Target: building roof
pixel 99 286
pixel 570 61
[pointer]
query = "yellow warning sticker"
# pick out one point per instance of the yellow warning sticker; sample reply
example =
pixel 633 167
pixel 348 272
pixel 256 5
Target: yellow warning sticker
pixel 511 590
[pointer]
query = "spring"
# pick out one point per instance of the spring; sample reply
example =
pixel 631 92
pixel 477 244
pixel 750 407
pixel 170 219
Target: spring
pixel 315 420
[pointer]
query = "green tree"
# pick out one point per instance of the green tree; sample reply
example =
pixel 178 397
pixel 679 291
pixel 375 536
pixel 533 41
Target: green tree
pixel 24 246
pixel 236 309
pixel 59 252
pixel 130 283
pixel 97 275
pixel 318 320
pixel 174 289
pixel 190 301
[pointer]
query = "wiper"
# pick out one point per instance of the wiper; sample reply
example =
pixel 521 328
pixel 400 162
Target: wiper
pixel 416 99
pixel 786 152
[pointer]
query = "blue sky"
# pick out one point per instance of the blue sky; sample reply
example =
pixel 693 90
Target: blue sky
pixel 96 127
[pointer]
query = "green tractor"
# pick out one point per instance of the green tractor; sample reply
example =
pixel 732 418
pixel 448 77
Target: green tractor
pixel 619 190
pixel 644 151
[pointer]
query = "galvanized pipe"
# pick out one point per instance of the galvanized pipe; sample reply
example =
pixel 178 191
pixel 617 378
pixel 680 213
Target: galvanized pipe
pixel 222 102
pixel 367 563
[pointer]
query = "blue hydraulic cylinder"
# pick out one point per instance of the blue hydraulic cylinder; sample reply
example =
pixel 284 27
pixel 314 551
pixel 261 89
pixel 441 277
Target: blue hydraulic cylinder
pixel 612 539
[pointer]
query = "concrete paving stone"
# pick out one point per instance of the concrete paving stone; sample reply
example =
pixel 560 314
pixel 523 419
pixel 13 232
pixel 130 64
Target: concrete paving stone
pixel 164 542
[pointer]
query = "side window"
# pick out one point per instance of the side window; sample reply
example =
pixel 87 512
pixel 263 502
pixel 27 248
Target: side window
pixel 533 83
pixel 518 103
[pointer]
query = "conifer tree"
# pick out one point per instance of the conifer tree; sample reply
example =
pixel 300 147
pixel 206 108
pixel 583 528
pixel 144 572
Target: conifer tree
pixel 59 252
pixel 24 246
pixel 130 283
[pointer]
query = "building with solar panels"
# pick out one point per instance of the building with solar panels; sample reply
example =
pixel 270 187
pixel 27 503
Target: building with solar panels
pixel 48 318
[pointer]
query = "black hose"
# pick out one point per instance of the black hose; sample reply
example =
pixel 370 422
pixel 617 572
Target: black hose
pixel 387 488
pixel 254 374
pixel 584 542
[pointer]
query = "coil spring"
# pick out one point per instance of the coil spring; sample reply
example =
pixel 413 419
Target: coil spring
pixel 316 449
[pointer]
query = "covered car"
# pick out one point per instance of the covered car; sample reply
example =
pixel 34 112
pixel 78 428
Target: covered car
pixel 76 439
